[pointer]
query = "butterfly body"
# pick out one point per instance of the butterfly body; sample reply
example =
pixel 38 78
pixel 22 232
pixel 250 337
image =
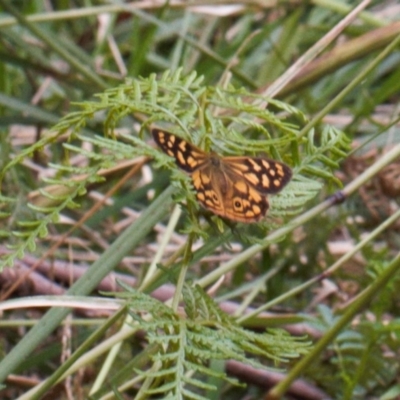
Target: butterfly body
pixel 231 187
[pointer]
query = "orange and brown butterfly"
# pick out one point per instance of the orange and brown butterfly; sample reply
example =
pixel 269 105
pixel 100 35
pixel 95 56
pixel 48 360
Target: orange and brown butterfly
pixel 231 187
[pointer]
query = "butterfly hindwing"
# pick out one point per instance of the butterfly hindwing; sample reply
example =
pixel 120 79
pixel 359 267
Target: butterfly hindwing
pixel 228 195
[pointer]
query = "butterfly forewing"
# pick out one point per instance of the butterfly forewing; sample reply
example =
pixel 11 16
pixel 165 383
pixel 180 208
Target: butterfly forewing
pixel 187 156
pixel 267 176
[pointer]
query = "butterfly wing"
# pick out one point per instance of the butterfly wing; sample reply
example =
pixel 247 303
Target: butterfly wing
pixel 187 156
pixel 264 175
pixel 229 195
pixel 207 193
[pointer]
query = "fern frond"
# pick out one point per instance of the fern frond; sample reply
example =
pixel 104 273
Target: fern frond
pixel 188 342
pixel 211 117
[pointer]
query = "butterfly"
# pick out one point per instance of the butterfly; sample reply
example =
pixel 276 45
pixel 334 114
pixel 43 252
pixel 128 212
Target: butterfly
pixel 231 187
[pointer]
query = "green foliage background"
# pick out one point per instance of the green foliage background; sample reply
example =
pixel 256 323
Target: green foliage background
pixel 80 88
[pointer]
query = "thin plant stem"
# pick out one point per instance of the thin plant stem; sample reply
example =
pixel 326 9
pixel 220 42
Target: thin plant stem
pixel 351 86
pixel 362 301
pixel 381 228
